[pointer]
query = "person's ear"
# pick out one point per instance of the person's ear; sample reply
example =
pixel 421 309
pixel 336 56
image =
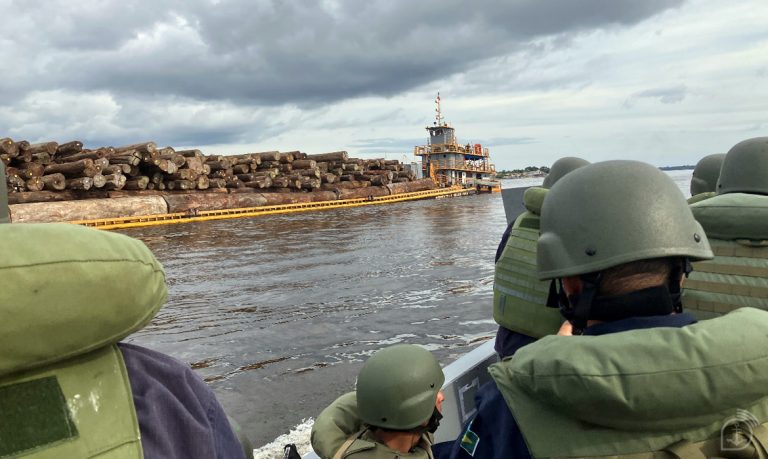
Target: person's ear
pixel 572 285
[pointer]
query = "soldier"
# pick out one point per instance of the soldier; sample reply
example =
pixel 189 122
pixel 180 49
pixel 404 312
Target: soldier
pixel 68 387
pixel 705 175
pixel 616 238
pixel 393 413
pixel 736 222
pixel 518 296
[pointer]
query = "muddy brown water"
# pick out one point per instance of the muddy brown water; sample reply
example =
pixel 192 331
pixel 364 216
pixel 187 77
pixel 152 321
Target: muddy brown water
pixel 278 313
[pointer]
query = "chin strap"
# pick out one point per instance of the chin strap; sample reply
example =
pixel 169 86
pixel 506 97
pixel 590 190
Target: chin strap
pixel 579 308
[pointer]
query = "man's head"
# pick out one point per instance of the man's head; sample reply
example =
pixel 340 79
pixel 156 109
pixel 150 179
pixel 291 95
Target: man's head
pixel 560 168
pixel 397 388
pixel 605 224
pixel 745 168
pixel 706 173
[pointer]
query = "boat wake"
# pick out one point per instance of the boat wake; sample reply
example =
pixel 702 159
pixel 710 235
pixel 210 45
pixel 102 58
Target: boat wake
pixel 299 436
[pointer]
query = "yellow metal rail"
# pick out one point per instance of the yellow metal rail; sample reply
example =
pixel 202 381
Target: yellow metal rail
pixel 223 214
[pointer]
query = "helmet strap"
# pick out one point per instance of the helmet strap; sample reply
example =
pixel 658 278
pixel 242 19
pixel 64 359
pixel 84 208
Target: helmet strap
pixel 576 308
pixel 681 269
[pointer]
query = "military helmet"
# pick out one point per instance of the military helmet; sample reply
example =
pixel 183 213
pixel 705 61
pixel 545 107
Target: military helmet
pixel 614 212
pixel 745 168
pixel 561 167
pixel 706 173
pixel 4 218
pixel 397 387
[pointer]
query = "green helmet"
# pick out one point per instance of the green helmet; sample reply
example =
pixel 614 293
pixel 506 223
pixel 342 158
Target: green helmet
pixel 4 218
pixel 706 173
pixel 745 168
pixel 614 212
pixel 561 167
pixel 397 387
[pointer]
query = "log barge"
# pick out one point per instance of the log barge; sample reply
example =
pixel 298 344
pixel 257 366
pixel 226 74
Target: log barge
pixel 142 185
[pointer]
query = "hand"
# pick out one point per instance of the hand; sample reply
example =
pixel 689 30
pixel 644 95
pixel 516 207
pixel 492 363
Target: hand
pixel 566 329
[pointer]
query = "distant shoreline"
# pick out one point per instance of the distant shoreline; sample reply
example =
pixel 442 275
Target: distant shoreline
pixel 677 168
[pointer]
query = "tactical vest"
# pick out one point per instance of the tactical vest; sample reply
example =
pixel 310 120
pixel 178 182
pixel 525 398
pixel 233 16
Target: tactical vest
pixel 737 228
pixel 691 392
pixel 69 295
pixel 519 297
pixel 339 433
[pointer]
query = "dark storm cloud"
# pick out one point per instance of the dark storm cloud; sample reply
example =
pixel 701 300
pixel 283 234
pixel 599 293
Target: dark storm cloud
pixel 276 52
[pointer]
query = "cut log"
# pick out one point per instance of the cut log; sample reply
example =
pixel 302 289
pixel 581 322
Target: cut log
pixel 88 154
pixel 312 172
pixel 267 155
pixel 190 153
pixel 180 185
pixel 73 169
pixel 42 158
pixel 202 182
pixel 35 184
pixel 9 147
pixel 144 147
pixel 304 164
pixel 54 182
pixel 333 156
pixel 118 169
pixel 138 183
pixel 114 181
pixel 328 178
pixel 69 148
pixel 233 183
pixel 195 164
pixel 367 192
pixel 29 170
pixel 101 163
pixel 82 183
pixel 99 181
pixel 88 209
pixel 44 147
pixel 262 182
pixel 183 174
pixel 217 183
pixel 410 187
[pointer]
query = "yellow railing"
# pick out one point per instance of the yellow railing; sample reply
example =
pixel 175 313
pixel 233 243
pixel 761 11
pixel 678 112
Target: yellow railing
pixel 207 215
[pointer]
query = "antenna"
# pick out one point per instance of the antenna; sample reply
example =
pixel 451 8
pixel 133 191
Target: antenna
pixel 439 116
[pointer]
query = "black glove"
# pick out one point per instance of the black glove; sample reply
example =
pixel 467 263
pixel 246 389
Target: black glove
pixel 291 452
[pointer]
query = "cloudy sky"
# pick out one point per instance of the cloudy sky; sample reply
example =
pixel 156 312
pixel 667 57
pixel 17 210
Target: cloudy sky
pixel 666 81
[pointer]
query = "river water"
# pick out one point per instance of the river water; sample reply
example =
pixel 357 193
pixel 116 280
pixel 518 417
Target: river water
pixel 278 313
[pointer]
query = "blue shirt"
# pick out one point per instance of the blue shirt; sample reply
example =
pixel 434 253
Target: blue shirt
pixel 179 416
pixel 494 433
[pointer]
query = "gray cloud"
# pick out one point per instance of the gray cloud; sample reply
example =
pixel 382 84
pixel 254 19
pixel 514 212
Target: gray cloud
pixel 274 52
pixel 666 95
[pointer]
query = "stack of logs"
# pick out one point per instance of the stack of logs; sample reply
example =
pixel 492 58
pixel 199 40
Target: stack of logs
pixel 37 170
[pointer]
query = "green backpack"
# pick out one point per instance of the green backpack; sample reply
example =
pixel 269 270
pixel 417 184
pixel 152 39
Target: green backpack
pixel 688 393
pixel 737 228
pixel 69 295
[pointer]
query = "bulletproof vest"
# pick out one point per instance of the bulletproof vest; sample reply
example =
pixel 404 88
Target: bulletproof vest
pixel 339 433
pixel 613 396
pixel 69 295
pixel 737 228
pixel 519 297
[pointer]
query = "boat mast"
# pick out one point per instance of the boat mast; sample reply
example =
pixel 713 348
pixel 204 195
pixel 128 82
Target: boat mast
pixel 439 117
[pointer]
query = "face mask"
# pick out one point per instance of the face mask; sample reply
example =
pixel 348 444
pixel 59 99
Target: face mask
pixel 434 421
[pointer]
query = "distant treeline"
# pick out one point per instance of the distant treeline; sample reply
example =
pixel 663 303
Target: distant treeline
pixel 677 168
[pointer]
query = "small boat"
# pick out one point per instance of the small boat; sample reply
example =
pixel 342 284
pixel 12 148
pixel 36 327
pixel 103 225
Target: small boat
pixel 450 163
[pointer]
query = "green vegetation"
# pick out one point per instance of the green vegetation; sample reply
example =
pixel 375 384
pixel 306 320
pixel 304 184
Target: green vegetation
pixel 515 173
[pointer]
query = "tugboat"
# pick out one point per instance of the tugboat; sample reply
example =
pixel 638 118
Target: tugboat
pixel 449 163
